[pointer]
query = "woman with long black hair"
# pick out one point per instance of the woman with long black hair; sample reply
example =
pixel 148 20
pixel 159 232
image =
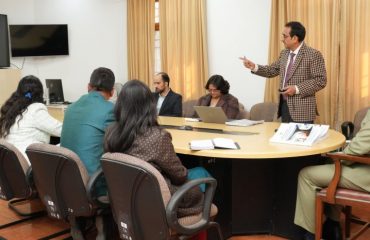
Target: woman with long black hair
pixel 136 132
pixel 24 118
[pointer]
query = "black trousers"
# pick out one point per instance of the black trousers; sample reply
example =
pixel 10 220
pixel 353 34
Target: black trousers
pixel 284 111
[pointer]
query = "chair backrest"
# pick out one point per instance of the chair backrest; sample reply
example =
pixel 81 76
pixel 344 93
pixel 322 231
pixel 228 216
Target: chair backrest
pixel 60 178
pixel 188 108
pixel 138 195
pixel 264 111
pixel 13 169
pixel 243 114
pixel 359 116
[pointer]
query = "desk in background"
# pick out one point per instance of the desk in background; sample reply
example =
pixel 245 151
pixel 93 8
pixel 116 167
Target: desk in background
pixel 57 111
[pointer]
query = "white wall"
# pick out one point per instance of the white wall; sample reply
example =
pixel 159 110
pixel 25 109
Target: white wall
pixel 97 37
pixel 237 28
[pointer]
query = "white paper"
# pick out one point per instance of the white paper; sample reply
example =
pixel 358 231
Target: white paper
pixel 243 122
pixel 208 144
pixel 299 134
pixel 224 143
pixel 201 144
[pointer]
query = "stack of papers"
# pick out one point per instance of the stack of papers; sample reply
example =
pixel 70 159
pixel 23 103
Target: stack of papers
pixel 243 122
pixel 208 144
pixel 299 134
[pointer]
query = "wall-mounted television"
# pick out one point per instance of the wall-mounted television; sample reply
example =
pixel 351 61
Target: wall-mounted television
pixel 39 40
pixel 4 42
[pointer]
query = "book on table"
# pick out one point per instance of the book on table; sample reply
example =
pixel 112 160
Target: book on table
pixel 207 144
pixel 299 133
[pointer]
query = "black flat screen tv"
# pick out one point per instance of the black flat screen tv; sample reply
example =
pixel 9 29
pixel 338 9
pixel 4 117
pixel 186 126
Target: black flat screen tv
pixel 4 42
pixel 39 40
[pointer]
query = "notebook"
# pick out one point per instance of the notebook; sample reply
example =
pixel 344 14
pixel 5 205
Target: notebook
pixel 211 114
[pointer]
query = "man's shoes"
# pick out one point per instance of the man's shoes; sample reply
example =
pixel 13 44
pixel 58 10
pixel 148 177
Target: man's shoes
pixel 331 230
pixel 308 236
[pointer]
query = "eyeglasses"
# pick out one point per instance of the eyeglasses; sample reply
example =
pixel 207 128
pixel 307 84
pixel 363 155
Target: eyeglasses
pixel 213 90
pixel 285 36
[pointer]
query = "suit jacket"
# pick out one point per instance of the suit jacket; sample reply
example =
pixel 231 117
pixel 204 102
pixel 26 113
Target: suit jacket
pixel 360 145
pixel 308 73
pixel 155 146
pixel 227 102
pixel 84 125
pixel 172 104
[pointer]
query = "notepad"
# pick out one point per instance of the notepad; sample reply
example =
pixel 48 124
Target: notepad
pixel 208 144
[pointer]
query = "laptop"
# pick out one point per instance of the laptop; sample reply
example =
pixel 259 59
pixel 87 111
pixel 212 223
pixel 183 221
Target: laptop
pixel 211 114
pixel 55 88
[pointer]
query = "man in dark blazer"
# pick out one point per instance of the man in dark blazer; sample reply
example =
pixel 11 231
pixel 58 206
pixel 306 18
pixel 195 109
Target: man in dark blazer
pixel 302 74
pixel 168 102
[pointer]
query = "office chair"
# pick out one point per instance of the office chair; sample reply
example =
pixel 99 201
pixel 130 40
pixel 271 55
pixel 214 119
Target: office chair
pixel 342 196
pixel 65 187
pixel 350 129
pixel 264 111
pixel 243 113
pixel 16 182
pixel 188 108
pixel 142 205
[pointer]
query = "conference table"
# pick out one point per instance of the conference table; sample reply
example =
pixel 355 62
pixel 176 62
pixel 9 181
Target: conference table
pixel 257 183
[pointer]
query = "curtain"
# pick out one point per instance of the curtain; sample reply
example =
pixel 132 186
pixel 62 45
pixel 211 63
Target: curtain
pixel 321 20
pixel 140 14
pixel 354 75
pixel 184 45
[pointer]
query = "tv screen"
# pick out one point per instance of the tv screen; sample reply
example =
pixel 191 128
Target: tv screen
pixel 38 40
pixel 4 42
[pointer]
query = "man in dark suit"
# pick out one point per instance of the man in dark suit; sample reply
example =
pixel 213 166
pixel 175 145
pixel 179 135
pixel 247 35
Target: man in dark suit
pixel 302 74
pixel 169 103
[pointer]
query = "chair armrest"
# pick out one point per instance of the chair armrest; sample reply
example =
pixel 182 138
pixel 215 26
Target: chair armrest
pixel 337 157
pixel 91 189
pixel 173 204
pixel 347 129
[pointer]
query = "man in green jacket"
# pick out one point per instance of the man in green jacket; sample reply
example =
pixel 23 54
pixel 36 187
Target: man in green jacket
pixel 86 120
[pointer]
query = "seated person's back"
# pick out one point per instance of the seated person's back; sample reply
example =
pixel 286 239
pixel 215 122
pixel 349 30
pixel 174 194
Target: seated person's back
pixel 219 96
pixel 86 120
pixel 137 133
pixel 168 102
pixel 24 117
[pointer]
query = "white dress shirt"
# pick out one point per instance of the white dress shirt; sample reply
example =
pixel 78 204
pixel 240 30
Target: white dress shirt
pixel 35 126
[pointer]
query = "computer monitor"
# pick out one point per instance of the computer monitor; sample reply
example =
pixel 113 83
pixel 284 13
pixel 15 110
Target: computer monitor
pixel 55 90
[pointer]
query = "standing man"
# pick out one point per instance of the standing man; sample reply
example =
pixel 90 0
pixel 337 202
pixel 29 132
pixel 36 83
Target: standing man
pixel 169 103
pixel 86 120
pixel 302 74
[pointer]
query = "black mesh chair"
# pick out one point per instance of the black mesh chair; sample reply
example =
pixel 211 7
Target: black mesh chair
pixel 16 182
pixel 350 129
pixel 65 187
pixel 142 205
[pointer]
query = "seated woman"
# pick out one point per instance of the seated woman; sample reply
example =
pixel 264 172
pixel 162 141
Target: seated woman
pixel 24 119
pixel 219 96
pixel 136 132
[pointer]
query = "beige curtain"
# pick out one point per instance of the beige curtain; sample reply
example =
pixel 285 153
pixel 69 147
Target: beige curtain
pixel 354 71
pixel 184 45
pixel 321 20
pixel 140 34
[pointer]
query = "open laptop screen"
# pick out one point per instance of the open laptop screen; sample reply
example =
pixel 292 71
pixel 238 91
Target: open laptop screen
pixel 211 114
pixel 55 90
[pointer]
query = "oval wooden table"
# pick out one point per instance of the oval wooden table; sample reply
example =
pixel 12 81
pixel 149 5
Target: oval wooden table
pixel 257 183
